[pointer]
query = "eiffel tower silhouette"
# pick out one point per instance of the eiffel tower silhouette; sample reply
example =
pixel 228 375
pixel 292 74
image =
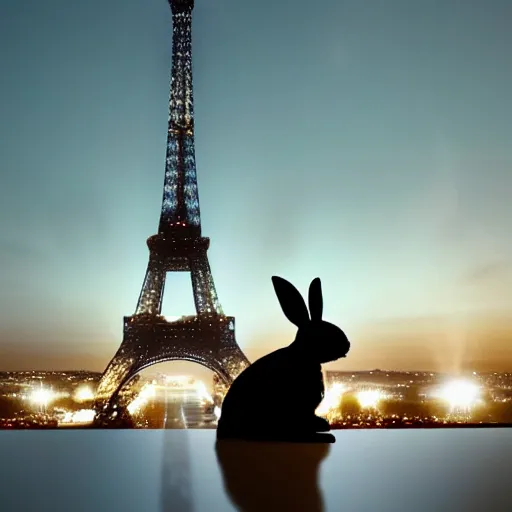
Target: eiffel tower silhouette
pixel 207 338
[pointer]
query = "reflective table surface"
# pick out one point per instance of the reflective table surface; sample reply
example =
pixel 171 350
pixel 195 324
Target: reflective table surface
pixel 186 470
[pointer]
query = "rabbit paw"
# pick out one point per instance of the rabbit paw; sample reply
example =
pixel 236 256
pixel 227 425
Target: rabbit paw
pixel 321 424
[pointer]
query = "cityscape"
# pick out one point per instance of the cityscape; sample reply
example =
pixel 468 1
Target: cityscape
pixel 353 400
pixel 122 397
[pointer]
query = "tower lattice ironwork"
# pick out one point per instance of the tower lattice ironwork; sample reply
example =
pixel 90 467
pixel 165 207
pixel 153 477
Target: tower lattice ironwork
pixel 208 338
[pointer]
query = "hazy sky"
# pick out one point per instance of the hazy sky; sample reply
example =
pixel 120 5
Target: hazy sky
pixel 365 142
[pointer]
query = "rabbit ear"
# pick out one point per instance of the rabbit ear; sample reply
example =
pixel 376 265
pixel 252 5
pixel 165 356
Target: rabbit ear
pixel 291 301
pixel 316 303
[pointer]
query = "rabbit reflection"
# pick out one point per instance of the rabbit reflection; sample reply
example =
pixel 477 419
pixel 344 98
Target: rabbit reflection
pixel 272 476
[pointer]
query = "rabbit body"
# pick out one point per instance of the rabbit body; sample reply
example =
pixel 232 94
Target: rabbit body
pixel 276 397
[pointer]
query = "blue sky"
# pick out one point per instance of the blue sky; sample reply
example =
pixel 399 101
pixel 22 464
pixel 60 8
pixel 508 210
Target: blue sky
pixel 365 142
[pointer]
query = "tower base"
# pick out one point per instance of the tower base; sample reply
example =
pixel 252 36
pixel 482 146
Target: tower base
pixel 208 340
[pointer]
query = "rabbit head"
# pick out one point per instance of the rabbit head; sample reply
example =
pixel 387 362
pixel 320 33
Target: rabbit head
pixel 320 340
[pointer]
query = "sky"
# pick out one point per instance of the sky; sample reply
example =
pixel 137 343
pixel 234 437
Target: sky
pixel 364 142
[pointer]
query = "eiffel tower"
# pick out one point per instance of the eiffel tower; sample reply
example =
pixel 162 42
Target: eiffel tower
pixel 207 338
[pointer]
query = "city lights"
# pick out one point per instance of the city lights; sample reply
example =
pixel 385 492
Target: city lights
pixel 369 398
pixel 42 396
pixel 364 399
pixel 460 394
pixel 186 402
pixel 83 394
pixel 81 416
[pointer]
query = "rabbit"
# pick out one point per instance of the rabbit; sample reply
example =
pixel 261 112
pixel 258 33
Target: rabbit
pixel 275 398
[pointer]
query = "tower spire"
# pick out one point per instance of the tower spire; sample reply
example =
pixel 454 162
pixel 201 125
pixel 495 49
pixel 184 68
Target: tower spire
pixel 180 215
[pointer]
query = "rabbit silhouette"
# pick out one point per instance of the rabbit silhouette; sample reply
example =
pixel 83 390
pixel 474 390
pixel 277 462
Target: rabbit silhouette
pixel 275 398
